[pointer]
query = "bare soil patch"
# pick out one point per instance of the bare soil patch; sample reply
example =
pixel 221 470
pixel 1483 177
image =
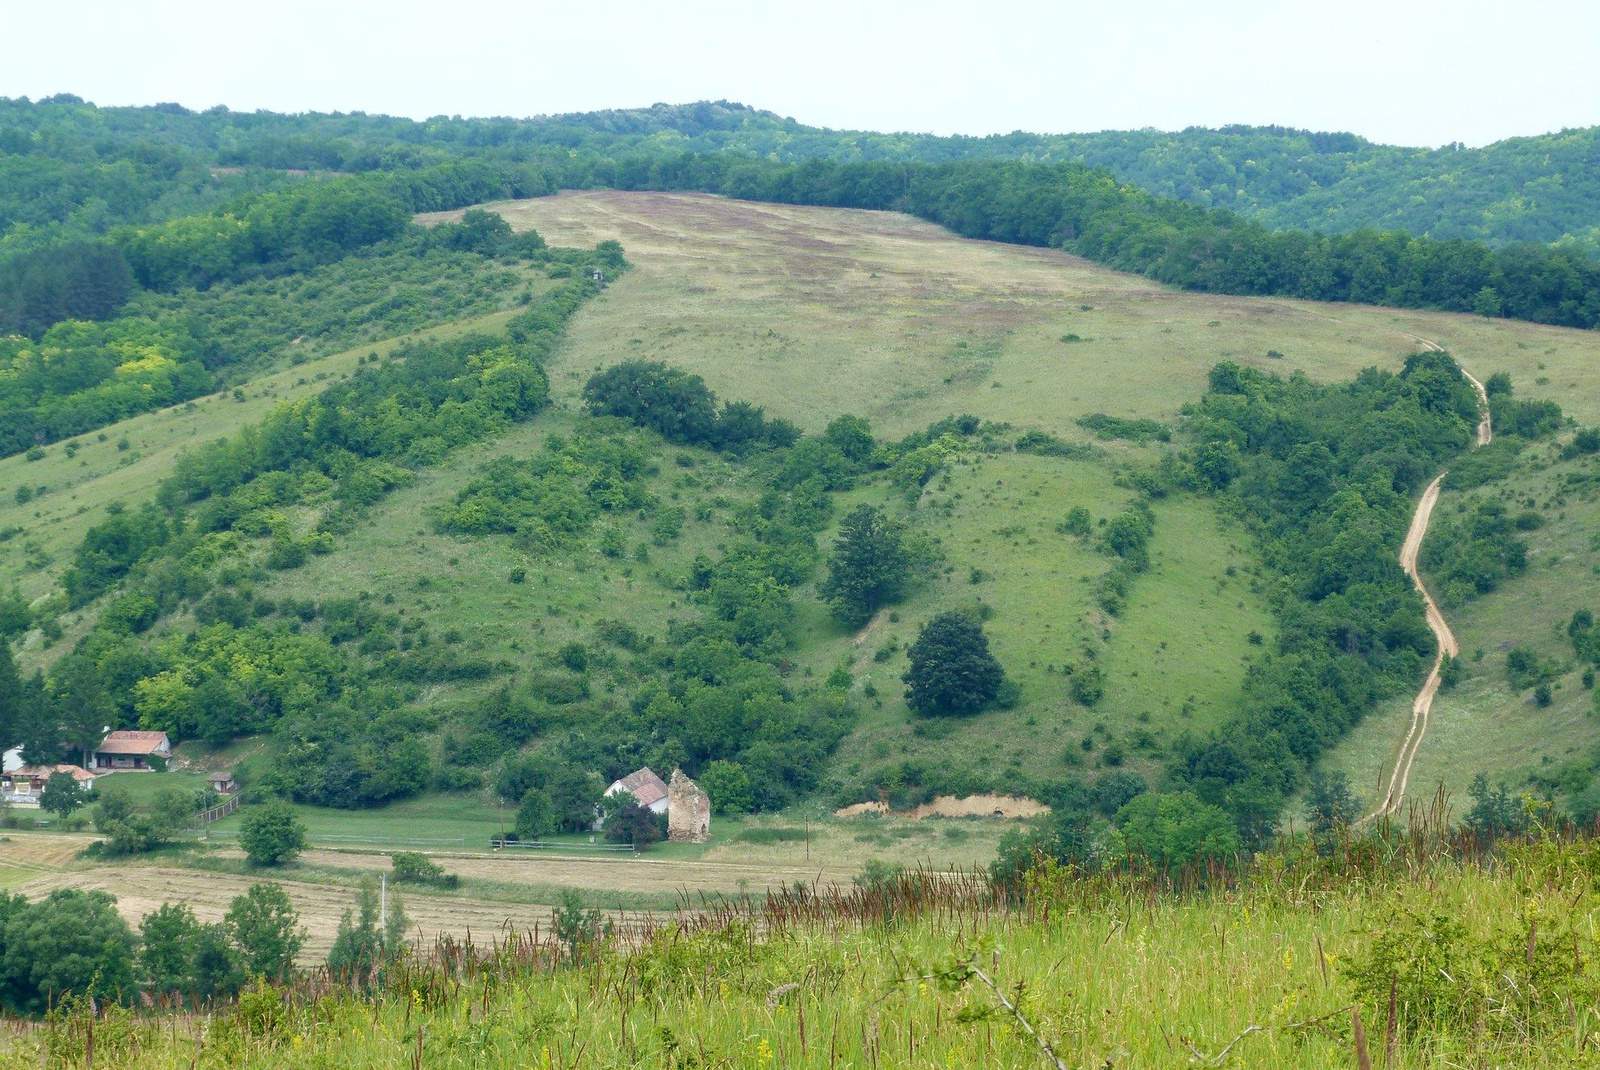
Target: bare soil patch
pixel 1007 806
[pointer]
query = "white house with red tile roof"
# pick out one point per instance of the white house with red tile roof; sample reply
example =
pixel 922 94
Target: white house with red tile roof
pixel 127 749
pixel 23 785
pixel 643 784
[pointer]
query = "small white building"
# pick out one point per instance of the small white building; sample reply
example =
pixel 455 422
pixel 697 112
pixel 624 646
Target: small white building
pixel 649 790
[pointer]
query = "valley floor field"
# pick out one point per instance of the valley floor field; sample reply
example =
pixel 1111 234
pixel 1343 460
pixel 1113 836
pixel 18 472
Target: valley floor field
pixel 502 890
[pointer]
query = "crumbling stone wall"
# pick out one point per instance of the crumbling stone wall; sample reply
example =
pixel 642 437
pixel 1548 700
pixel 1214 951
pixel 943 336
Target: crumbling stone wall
pixel 688 810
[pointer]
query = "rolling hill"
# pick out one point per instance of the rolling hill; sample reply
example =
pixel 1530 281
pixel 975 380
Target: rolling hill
pixel 818 313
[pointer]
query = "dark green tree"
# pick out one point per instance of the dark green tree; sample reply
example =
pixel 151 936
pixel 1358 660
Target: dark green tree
pixel 1170 831
pixel 61 795
pixel 271 834
pixel 673 402
pixel 536 815
pixel 572 793
pixel 168 938
pixel 1495 811
pixel 728 785
pixel 952 671
pixel 1329 803
pixel 628 822
pixel 11 699
pixel 852 437
pixel 265 928
pixel 217 971
pixel 83 706
pixel 869 566
pixel 69 941
pixel 358 944
pixel 126 828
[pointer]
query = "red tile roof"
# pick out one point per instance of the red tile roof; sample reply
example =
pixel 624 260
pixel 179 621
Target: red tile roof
pixel 643 785
pixel 47 771
pixel 131 742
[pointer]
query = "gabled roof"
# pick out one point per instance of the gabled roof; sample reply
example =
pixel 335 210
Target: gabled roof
pixel 47 771
pixel 126 741
pixel 643 785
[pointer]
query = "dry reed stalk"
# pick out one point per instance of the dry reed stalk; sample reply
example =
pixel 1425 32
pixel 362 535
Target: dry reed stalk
pixel 1391 1029
pixel 1359 1038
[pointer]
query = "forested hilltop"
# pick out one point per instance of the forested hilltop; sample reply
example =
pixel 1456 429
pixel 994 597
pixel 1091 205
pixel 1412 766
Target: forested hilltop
pixel 104 206
pixel 1541 188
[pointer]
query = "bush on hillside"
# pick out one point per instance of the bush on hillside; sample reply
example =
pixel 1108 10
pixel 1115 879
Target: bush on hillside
pixel 271 834
pixel 951 672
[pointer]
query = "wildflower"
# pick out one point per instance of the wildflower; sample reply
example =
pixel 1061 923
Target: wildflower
pixel 764 1051
pixel 1288 958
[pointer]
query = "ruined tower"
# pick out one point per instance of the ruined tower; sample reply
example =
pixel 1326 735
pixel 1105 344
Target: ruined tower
pixel 688 810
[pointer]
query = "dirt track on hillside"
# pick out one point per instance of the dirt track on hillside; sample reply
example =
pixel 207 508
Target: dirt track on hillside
pixel 1422 705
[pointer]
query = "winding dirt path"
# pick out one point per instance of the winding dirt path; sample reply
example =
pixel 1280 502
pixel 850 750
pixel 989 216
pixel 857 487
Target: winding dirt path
pixel 1422 705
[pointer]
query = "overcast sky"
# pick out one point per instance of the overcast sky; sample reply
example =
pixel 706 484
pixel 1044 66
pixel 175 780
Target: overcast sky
pixel 1421 72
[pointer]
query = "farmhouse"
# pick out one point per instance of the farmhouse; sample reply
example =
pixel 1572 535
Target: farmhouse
pixel 24 784
pixel 132 750
pixel 649 790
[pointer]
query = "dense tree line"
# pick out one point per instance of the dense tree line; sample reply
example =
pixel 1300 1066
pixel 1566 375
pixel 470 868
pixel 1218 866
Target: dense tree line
pixel 73 945
pixel 1326 477
pixel 70 161
pixel 271 233
pixel 166 348
pixel 1018 188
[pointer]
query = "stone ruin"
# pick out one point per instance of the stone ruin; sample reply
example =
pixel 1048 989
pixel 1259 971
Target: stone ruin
pixel 688 810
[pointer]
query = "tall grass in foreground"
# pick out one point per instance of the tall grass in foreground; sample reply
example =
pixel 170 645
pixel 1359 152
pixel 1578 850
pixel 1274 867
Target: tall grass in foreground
pixel 1391 949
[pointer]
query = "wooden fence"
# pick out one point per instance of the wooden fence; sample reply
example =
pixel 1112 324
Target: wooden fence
pixel 500 843
pixel 217 812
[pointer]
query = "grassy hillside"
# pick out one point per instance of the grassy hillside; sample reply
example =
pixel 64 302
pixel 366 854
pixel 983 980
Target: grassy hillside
pixel 1486 723
pixel 813 312
pixel 124 462
pixel 1303 964
pixel 817 313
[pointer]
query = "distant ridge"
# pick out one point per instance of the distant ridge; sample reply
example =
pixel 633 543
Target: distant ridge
pixel 1541 188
